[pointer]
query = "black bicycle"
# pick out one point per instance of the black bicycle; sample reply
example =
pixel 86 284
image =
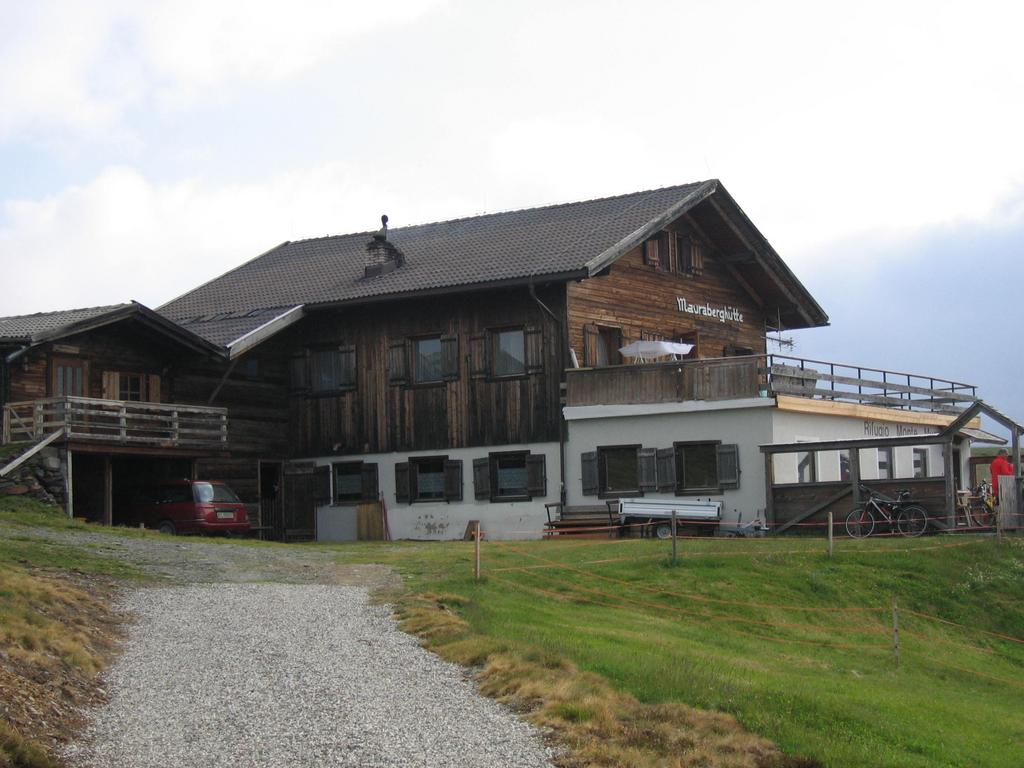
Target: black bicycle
pixel 899 514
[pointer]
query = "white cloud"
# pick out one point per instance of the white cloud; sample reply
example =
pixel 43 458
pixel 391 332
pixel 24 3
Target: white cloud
pixel 81 65
pixel 122 237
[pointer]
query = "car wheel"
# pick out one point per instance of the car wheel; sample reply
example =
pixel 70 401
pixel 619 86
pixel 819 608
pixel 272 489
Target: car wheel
pixel 663 531
pixel 166 526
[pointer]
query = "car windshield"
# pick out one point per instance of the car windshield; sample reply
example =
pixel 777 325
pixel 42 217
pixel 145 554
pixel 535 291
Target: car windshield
pixel 207 492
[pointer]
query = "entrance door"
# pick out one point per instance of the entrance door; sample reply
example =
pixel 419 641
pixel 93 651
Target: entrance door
pixel 306 486
pixel 271 499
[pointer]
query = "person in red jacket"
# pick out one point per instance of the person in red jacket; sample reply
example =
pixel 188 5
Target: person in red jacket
pixel 1000 466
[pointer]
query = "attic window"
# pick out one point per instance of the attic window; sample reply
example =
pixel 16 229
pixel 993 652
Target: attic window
pixel 689 255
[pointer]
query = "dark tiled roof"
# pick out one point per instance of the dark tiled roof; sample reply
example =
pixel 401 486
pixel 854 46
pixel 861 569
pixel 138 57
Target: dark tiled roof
pixel 25 327
pixel 222 328
pixel 556 239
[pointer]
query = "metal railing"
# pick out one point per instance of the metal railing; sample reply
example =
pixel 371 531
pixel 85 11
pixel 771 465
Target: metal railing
pixel 116 421
pixel 728 378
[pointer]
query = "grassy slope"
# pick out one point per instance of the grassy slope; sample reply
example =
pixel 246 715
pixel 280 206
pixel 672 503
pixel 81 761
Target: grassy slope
pixel 638 622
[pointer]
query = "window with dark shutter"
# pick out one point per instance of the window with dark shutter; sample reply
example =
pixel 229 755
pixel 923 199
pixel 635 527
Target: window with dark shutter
pixel 348 482
pixel 482 478
pixel 666 469
pixel 728 466
pixel 450 358
pixel 403 477
pixel 651 257
pixel 618 468
pixel 591 346
pixel 508 352
pixel 588 471
pixel 478 367
pixel 398 362
pixel 370 481
pixel 536 475
pixel 647 460
pixel 332 369
pixel 534 350
pixel 298 373
pixel 453 480
pixel 426 360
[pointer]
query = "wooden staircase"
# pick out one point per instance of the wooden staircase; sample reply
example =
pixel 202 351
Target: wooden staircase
pixel 591 521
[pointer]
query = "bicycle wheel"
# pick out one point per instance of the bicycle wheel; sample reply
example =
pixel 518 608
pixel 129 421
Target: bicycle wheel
pixel 860 523
pixel 982 514
pixel 912 521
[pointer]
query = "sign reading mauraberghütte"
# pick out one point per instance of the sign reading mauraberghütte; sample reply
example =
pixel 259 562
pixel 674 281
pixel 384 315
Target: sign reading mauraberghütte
pixel 722 314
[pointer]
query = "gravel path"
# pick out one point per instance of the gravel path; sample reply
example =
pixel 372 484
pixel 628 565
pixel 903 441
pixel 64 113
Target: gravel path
pixel 289 675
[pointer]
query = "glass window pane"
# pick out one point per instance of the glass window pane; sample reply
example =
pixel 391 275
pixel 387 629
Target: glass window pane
pixel 429 478
pixel 620 470
pixel 511 475
pixel 509 353
pixel 428 359
pixel 844 465
pixel 885 463
pixel 348 481
pixel 699 466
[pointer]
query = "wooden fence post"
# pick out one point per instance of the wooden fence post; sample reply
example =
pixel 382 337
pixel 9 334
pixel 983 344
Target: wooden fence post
pixel 675 558
pixel 830 533
pixel 476 553
pixel 895 631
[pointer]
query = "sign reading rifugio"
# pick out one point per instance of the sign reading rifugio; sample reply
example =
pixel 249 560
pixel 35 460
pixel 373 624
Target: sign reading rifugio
pixel 722 314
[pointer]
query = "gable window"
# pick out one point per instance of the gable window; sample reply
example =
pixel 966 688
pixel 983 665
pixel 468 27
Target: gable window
pixel 704 466
pixel 689 255
pixel 332 370
pixel 508 353
pixel 885 463
pixel 428 478
pixel 130 387
pixel 510 476
pixel 355 481
pixel 920 462
pixel 427 360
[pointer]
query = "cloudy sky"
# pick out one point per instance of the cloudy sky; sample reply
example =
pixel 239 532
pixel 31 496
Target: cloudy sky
pixel 148 146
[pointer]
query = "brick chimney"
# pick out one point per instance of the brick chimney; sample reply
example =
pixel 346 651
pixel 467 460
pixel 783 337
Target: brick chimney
pixel 381 255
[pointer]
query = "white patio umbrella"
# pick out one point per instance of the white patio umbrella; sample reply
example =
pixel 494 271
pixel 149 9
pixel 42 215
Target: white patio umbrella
pixel 645 351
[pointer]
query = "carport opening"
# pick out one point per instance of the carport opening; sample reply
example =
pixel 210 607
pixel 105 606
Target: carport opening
pixel 129 475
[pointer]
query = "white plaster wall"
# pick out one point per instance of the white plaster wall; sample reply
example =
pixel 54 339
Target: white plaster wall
pixel 746 423
pixel 791 427
pixel 441 520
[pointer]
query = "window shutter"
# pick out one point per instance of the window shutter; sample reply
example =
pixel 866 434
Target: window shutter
pixel 453 480
pixel 402 482
pixel 370 481
pixel 482 478
pixel 298 370
pixel 111 385
pixel 536 475
pixel 666 469
pixel 728 466
pixel 398 362
pixel 588 463
pixel 651 253
pixel 647 466
pixel 697 256
pixel 347 365
pixel 478 356
pixel 591 340
pixel 534 341
pixel 153 388
pixel 322 484
pixel 450 358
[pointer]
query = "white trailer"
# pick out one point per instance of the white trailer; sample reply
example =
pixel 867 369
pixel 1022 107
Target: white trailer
pixel 656 514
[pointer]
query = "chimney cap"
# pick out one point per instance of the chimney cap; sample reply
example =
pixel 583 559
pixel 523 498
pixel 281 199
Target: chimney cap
pixel 382 233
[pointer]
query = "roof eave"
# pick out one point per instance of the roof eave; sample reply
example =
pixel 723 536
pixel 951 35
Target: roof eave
pixel 261 333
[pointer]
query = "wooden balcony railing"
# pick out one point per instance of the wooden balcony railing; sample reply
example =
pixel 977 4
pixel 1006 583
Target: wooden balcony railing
pixel 730 378
pixel 86 419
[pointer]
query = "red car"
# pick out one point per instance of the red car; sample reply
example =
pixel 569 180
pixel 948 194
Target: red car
pixel 190 506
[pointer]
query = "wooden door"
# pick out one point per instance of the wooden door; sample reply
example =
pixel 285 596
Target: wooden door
pixel 306 486
pixel 271 498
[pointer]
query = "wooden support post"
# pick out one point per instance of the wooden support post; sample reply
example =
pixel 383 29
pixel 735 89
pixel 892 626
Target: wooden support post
pixel 769 501
pixel 675 553
pixel 830 533
pixel 7 427
pixel 855 474
pixel 69 486
pixel 950 478
pixel 476 552
pixel 108 491
pixel 895 631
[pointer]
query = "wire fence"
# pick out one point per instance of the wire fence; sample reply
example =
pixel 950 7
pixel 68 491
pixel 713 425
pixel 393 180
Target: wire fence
pixel 884 629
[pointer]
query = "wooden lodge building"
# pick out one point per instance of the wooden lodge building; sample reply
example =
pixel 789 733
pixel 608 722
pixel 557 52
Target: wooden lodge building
pixel 470 370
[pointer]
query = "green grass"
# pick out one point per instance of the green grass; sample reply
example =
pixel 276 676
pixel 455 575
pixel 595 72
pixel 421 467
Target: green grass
pixel 738 626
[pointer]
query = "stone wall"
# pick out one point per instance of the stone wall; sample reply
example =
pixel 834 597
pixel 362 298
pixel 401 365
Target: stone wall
pixel 41 478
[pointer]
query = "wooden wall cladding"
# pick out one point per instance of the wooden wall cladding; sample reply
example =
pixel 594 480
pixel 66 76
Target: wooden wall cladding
pixel 379 415
pixel 640 293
